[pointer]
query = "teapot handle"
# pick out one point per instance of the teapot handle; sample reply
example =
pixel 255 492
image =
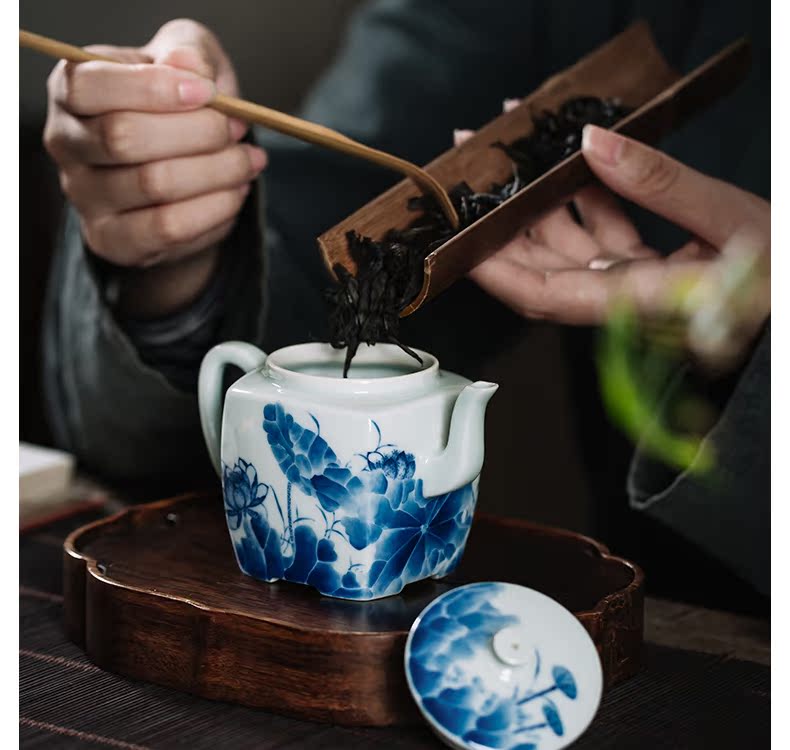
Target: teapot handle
pixel 210 391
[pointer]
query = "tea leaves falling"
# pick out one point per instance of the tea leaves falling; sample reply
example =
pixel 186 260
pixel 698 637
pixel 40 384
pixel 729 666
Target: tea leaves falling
pixel 365 307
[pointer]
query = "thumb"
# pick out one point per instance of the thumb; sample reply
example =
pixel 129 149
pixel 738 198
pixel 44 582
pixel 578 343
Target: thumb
pixel 188 58
pixel 710 209
pixel 189 45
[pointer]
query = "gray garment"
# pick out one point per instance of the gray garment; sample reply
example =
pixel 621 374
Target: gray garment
pixel 409 72
pixel 123 417
pixel 97 387
pixel 726 512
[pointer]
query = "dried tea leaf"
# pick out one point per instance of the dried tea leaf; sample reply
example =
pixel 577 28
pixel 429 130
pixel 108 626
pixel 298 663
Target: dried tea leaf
pixel 365 308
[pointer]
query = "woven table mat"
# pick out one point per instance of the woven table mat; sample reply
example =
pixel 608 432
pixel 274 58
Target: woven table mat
pixel 681 699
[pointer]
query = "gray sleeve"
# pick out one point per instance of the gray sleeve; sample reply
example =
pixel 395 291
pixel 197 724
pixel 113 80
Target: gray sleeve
pixel 727 511
pixel 114 393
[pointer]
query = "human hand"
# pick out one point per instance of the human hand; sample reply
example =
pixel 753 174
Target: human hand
pixel 156 177
pixel 571 273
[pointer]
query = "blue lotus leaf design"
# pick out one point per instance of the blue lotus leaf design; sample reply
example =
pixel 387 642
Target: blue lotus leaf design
pixel 564 681
pixel 332 487
pixel 420 536
pixel 488 739
pixel 259 552
pixel 455 629
pixel 499 719
pixel 313 563
pixel 552 716
pixel 242 491
pixel 260 555
pixel 303 455
pixel 497 728
pixel 374 498
pixel 416 542
pixel 377 508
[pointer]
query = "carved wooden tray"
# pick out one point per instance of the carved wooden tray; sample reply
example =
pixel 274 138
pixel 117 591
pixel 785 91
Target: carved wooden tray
pixel 154 593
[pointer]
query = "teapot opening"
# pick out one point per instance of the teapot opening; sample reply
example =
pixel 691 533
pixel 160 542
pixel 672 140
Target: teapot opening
pixel 363 371
pixel 376 362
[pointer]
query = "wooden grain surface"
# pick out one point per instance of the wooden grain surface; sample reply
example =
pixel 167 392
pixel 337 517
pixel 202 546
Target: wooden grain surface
pixel 155 594
pixel 629 67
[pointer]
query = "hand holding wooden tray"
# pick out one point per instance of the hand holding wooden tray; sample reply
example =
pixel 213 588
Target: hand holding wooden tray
pixel 629 68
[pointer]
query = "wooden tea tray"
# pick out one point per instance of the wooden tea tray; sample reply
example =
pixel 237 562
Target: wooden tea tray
pixel 154 593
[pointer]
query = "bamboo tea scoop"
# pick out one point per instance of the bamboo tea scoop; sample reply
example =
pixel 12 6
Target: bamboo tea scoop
pixel 274 120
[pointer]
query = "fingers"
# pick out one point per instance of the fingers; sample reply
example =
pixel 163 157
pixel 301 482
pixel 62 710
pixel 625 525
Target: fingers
pixel 155 175
pixel 567 296
pixel 583 296
pixel 524 251
pixel 149 235
pixel 128 55
pixel 99 191
pixel 183 34
pixel 188 58
pixel 608 224
pixel 710 209
pixel 187 44
pixel 94 87
pixel 693 250
pixel 137 137
pixel 559 231
pixel 530 275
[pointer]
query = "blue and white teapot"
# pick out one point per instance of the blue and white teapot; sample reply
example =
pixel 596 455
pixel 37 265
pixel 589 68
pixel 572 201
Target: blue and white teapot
pixel 356 486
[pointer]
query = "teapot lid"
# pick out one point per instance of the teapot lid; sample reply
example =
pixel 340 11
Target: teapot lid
pixel 497 665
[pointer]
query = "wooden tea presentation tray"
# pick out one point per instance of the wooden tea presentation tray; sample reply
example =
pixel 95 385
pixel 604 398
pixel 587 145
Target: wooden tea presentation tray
pixel 154 593
pixel 629 67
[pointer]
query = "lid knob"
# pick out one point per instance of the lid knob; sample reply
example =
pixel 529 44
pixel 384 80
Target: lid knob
pixel 512 646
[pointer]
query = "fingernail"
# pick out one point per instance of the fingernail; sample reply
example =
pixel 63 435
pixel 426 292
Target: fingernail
pixel 195 91
pixel 603 145
pixel 237 128
pixel 601 263
pixel 510 104
pixel 258 158
pixel 459 136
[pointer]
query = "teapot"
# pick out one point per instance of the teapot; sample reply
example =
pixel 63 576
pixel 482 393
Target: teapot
pixel 355 486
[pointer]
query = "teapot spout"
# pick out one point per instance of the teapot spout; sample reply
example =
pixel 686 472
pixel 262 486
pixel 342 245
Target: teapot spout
pixel 462 459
